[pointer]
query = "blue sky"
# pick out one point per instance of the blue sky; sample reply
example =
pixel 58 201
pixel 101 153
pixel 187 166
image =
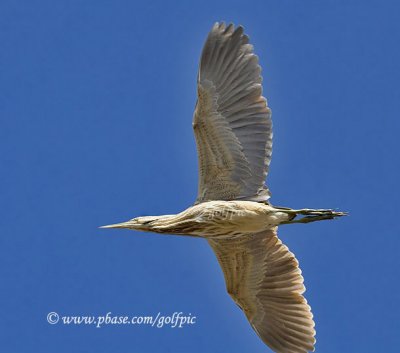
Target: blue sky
pixel 96 105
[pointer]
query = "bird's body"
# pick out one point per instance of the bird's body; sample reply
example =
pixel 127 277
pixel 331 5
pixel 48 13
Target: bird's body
pixel 233 130
pixel 213 220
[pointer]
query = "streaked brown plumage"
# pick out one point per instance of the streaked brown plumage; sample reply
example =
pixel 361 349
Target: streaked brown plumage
pixel 233 130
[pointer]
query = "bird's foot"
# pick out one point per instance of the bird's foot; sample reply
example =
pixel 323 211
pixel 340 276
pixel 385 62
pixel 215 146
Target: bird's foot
pixel 310 215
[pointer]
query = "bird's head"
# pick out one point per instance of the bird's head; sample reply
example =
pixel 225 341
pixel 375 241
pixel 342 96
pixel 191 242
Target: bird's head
pixel 138 223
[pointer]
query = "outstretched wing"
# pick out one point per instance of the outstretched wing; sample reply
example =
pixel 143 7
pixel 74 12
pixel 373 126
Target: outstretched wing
pixel 262 276
pixel 232 123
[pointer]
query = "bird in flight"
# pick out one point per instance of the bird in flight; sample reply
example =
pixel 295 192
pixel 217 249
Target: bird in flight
pixel 233 130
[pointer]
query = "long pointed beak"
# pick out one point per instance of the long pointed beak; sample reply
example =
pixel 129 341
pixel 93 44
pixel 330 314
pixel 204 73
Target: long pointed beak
pixel 116 225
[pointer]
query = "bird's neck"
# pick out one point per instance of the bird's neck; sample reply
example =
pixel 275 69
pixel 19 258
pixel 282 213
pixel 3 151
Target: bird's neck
pixel 178 224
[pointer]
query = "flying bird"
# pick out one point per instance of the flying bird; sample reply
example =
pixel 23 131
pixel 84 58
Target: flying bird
pixel 233 130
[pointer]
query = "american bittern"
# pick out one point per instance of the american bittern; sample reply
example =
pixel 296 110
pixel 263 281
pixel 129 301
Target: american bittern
pixel 233 130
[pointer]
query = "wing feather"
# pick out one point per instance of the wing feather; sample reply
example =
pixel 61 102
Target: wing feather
pixel 262 276
pixel 232 122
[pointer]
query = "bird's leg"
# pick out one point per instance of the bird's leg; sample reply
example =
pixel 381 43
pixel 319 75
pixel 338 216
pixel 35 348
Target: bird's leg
pixel 311 215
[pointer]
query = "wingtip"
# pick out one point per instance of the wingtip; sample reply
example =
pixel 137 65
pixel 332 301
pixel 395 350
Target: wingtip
pixel 228 27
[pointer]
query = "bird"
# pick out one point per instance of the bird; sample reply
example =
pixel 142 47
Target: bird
pixel 233 132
